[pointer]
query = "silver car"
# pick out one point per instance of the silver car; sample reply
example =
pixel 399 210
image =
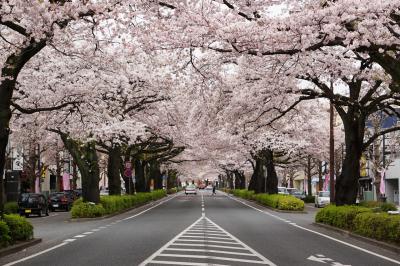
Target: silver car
pixel 190 189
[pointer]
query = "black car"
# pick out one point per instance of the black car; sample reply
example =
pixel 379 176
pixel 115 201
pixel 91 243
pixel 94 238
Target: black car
pixel 32 203
pixel 60 201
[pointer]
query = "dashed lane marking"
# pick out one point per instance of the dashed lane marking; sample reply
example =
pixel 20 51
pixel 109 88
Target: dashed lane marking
pixel 70 240
pixel 186 249
pixel 79 236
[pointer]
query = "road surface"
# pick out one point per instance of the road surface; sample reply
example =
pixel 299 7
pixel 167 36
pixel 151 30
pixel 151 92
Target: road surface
pixel 196 230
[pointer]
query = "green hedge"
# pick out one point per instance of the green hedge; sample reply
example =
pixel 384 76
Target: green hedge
pixel 20 228
pixel 309 199
pixel 380 226
pixel 11 207
pixel 276 201
pixel 340 216
pixel 379 206
pixel 113 204
pixel 5 238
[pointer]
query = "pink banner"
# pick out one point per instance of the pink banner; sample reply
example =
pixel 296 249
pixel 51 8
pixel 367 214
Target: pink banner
pixel 326 183
pixel 66 182
pixel 382 187
pixel 37 185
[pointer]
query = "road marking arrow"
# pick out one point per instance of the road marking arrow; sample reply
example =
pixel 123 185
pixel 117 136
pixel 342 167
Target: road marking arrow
pixel 322 260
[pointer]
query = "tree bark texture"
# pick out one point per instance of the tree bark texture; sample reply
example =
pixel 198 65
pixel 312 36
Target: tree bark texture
pixel 113 170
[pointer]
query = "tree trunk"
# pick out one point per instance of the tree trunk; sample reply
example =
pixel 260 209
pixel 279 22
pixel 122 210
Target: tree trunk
pixel 141 182
pixel 272 178
pixel 87 161
pixel 320 181
pixel 155 174
pixel 309 177
pixel 347 183
pixel 113 173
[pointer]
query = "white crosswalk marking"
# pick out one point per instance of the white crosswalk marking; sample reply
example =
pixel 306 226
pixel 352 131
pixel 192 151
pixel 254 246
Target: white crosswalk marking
pixel 197 245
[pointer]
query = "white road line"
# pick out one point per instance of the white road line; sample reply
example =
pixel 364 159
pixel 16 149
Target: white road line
pixel 37 254
pixel 249 248
pixel 184 263
pixel 87 233
pixel 155 254
pixel 250 255
pixel 158 204
pixel 208 241
pixel 323 235
pixel 79 236
pixel 208 245
pixel 211 251
pixel 211 257
pixel 69 240
pixel 95 230
pixel 202 230
pixel 204 233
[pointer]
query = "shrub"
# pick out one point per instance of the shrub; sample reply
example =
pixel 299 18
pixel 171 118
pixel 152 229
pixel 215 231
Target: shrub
pixel 86 210
pixel 340 216
pixel 11 207
pixel 5 238
pixel 243 193
pixel 276 201
pixel 20 228
pixel 380 226
pixel 385 207
pixel 113 203
pixel 309 199
pixel 290 203
pixel 370 204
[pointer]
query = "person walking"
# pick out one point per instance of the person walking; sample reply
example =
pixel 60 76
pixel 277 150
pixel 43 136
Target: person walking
pixel 214 187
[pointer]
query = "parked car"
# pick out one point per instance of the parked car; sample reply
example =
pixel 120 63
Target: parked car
pixel 296 193
pixel 72 193
pixel 78 192
pixel 32 203
pixel 322 199
pixel 191 189
pixel 60 201
pixel 283 190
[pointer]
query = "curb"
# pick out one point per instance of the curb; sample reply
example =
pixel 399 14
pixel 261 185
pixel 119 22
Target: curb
pixel 138 207
pixel 378 243
pixel 18 247
pixel 267 207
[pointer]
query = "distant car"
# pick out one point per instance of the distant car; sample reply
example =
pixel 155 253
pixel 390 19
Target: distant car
pixel 32 203
pixel 72 194
pixel 61 201
pixel 322 199
pixel 296 193
pixel 209 187
pixel 190 189
pixel 202 186
pixel 283 190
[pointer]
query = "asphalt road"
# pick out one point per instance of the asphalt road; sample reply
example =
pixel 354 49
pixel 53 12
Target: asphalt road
pixel 196 230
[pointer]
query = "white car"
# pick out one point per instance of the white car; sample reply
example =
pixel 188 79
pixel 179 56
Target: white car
pixel 191 189
pixel 209 187
pixel 322 199
pixel 283 190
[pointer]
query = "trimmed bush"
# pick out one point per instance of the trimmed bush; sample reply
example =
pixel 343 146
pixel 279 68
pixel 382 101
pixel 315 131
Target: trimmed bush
pixel 86 210
pixel 5 238
pixel 276 201
pixel 113 204
pixel 20 228
pixel 243 193
pixel 309 199
pixel 385 207
pixel 11 207
pixel 340 216
pixel 380 226
pixel 379 206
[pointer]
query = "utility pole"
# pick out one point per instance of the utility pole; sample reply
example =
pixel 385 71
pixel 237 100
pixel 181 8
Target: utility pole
pixel 331 154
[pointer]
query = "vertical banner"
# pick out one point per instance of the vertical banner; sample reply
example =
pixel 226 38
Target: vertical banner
pixel 66 182
pixel 37 185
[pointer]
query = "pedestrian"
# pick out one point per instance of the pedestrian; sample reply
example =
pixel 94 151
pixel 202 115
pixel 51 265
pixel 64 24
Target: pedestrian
pixel 214 187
